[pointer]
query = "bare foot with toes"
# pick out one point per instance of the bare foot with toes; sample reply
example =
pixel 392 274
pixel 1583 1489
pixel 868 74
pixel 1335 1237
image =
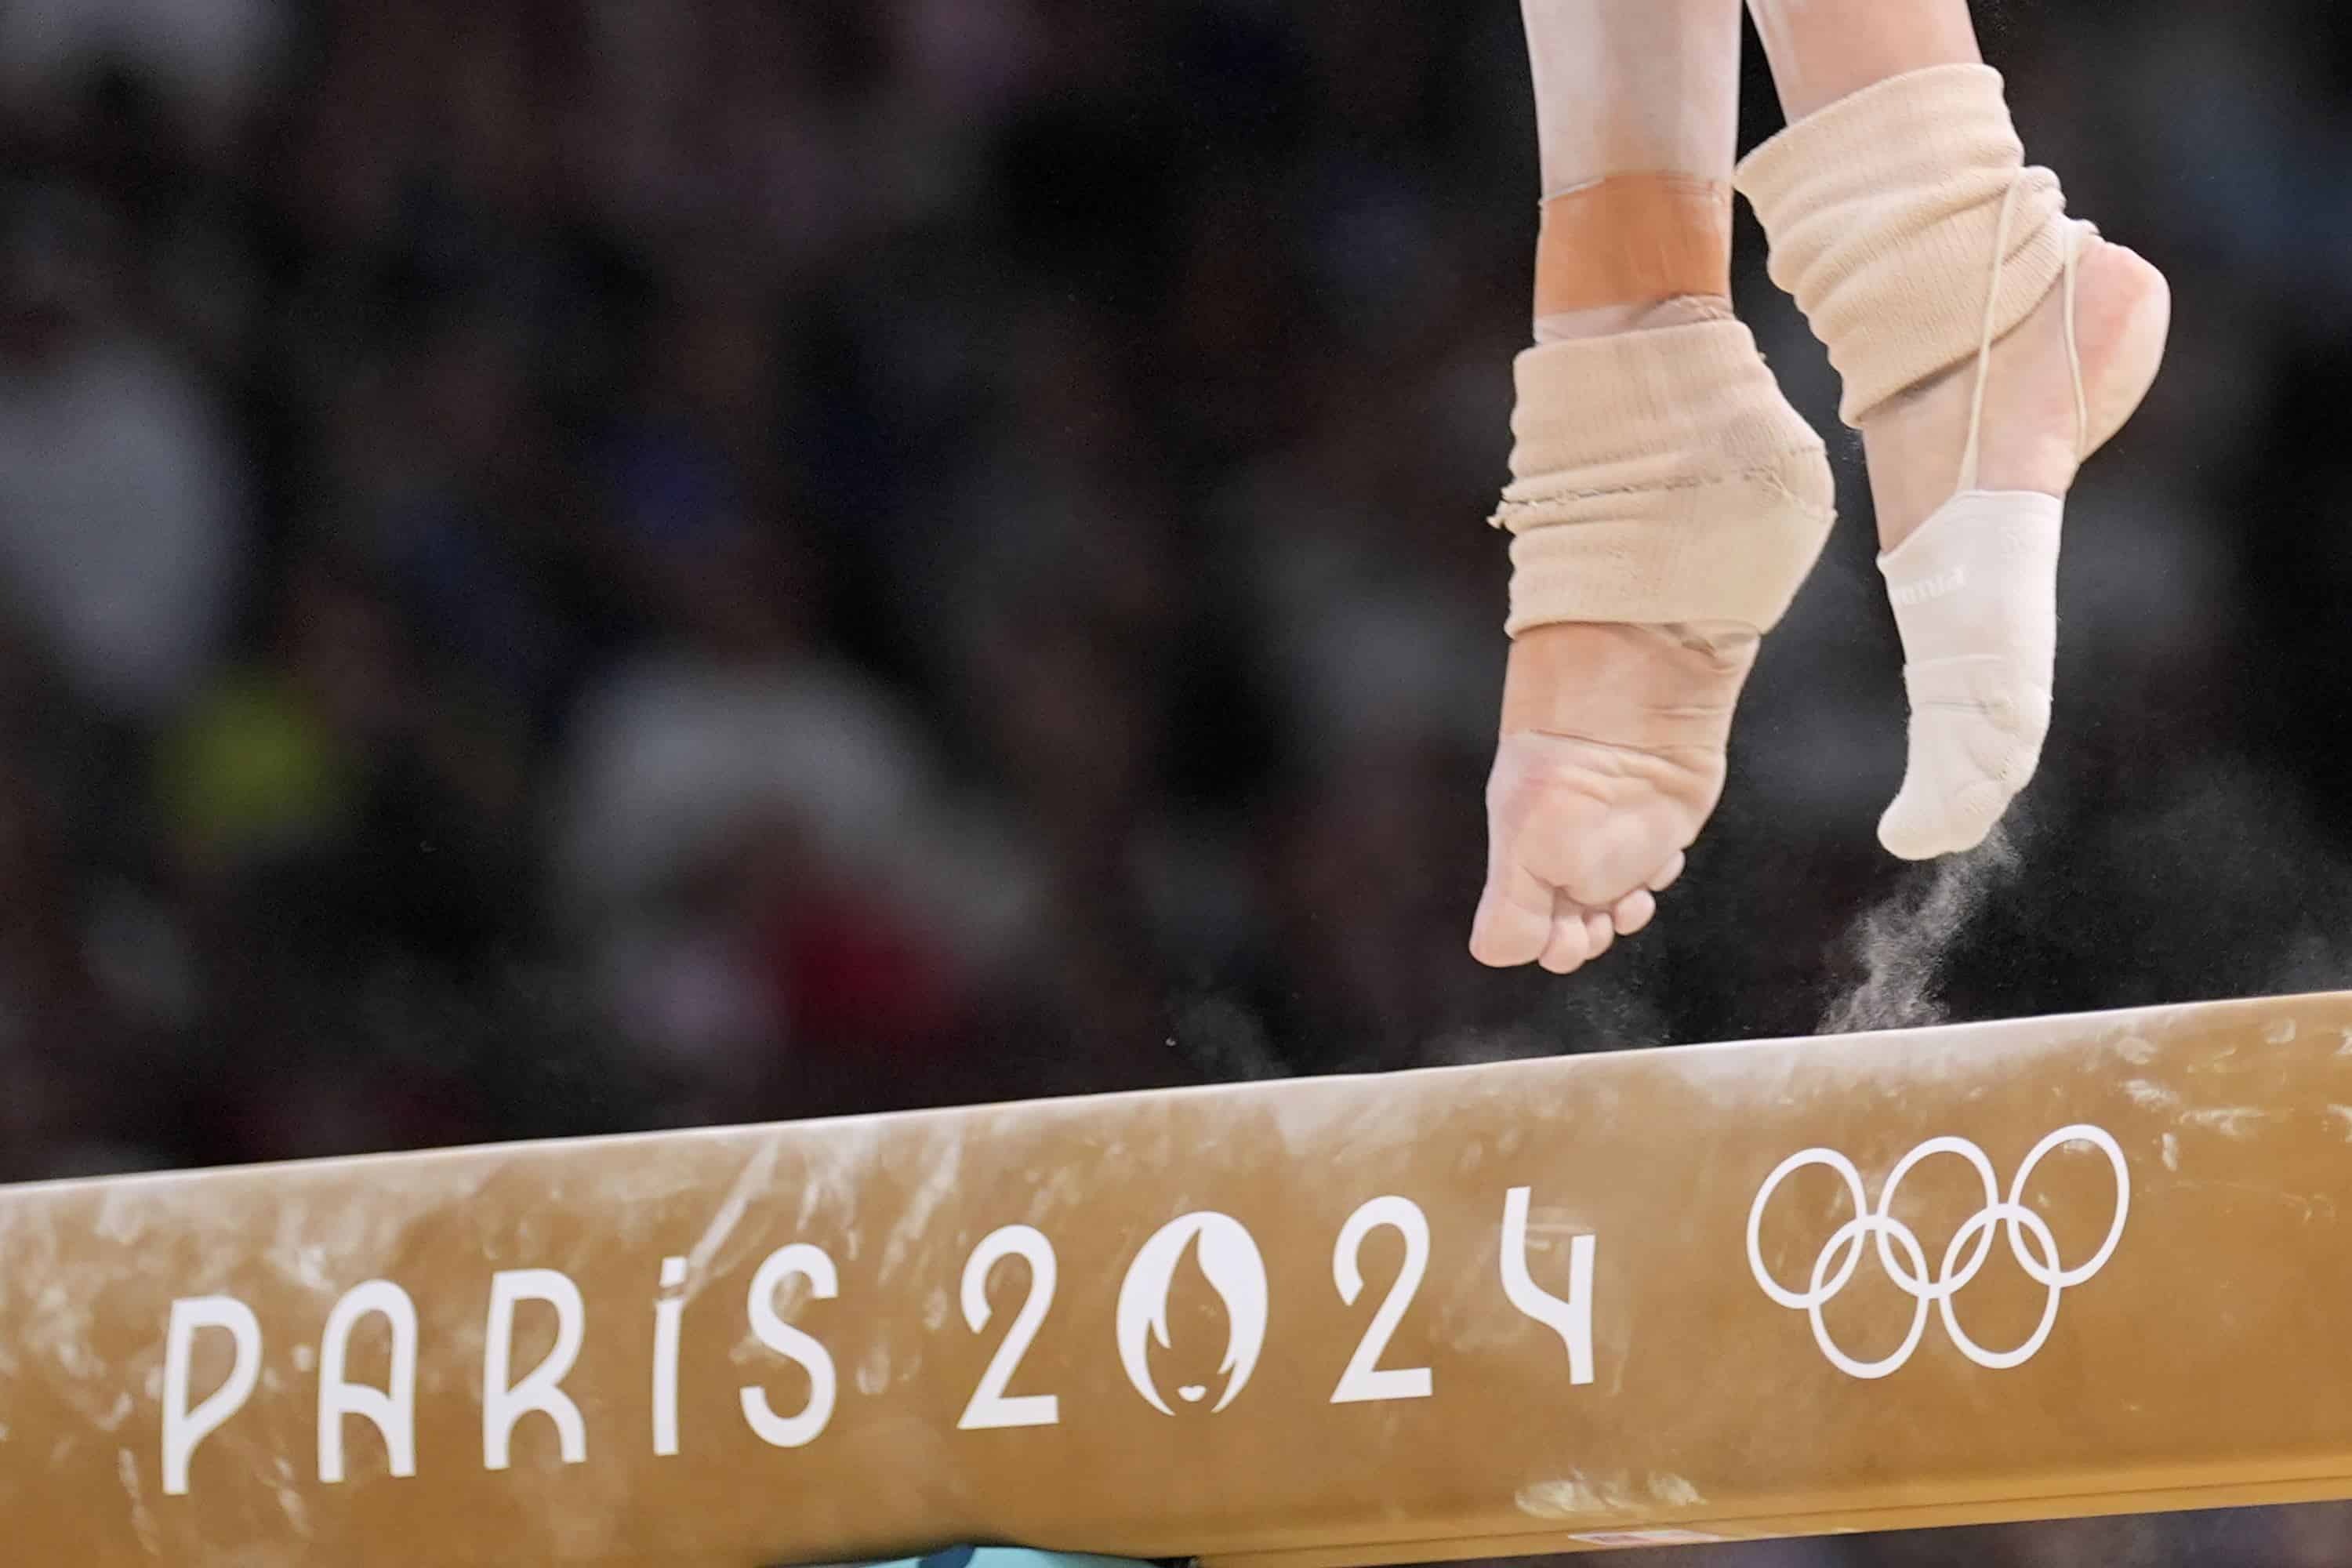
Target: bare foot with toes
pixel 1612 758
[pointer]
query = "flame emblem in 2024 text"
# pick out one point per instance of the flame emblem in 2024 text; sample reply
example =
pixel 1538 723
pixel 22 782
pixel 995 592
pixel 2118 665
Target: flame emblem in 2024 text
pixel 1234 1269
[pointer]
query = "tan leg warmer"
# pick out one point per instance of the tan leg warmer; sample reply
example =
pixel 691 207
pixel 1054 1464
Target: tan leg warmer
pixel 1883 209
pixel 1659 477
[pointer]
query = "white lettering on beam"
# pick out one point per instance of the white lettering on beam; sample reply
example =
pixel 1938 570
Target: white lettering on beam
pixel 990 1407
pixel 184 1428
pixel 505 1403
pixel 769 1326
pixel 1227 1255
pixel 1570 1318
pixel 1364 1379
pixel 392 1409
pixel 670 1313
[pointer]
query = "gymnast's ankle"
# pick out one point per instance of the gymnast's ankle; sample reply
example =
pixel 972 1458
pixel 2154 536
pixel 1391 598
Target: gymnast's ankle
pixel 1605 321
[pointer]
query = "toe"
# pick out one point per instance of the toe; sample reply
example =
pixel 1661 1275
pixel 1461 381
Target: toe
pixel 1908 828
pixel 1598 934
pixel 1927 821
pixel 1570 945
pixel 1666 875
pixel 1920 827
pixel 1513 924
pixel 1634 912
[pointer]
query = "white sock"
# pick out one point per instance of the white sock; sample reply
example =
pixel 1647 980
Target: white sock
pixel 1975 592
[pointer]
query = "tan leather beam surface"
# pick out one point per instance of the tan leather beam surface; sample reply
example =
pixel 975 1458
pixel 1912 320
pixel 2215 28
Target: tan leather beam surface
pixel 2040 1267
pixel 1629 239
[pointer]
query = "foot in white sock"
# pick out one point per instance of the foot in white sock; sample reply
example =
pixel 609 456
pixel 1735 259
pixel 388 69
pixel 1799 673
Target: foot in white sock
pixel 1987 344
pixel 1974 584
pixel 1976 598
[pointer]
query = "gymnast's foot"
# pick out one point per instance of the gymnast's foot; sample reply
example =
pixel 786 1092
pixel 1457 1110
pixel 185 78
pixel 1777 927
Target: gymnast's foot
pixel 1611 758
pixel 1913 442
pixel 1665 503
pixel 1974 591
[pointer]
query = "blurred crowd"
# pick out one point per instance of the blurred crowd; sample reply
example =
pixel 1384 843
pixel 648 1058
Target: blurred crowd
pixel 581 564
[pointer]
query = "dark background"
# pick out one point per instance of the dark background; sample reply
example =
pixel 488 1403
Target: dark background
pixel 583 564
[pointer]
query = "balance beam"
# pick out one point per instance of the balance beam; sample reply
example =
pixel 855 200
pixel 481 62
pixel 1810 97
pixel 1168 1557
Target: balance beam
pixel 2042 1268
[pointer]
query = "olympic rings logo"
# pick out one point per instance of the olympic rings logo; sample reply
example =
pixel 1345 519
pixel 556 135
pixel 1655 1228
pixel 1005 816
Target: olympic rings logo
pixel 1841 1255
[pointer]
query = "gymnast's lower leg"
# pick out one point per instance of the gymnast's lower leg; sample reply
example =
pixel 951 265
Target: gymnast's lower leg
pixel 1988 343
pixel 1665 500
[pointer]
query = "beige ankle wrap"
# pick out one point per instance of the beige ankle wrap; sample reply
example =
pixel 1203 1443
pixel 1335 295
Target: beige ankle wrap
pixel 1882 210
pixel 1659 477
